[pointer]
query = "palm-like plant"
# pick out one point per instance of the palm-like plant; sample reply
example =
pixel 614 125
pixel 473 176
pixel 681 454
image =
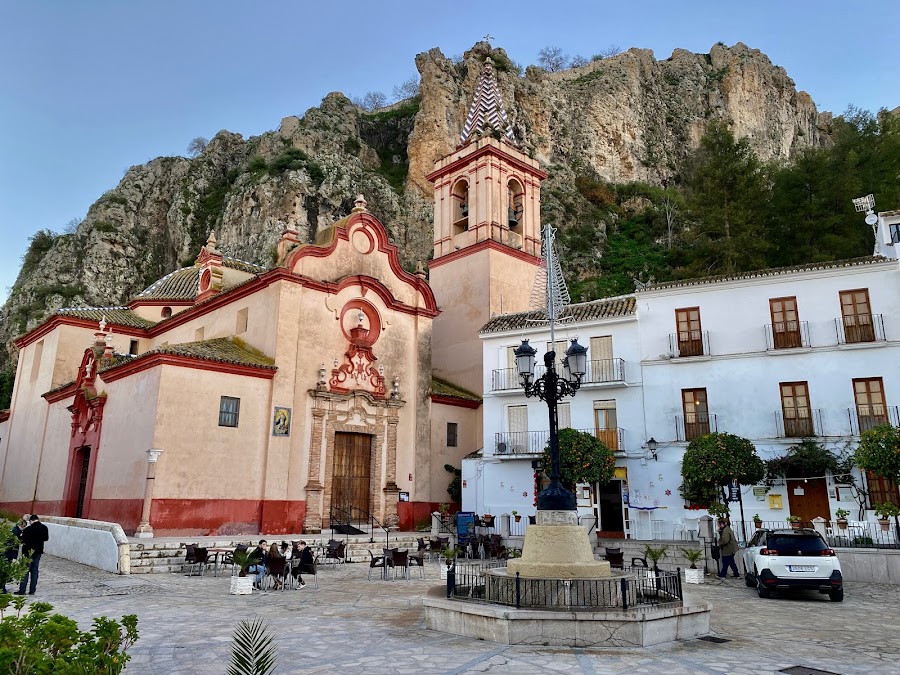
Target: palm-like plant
pixel 253 649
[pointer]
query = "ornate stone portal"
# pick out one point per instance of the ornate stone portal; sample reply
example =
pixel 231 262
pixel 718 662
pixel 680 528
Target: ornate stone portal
pixel 557 547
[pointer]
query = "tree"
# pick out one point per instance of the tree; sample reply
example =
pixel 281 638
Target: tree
pixel 552 59
pixel 807 459
pixel 711 462
pixel 879 452
pixel 583 458
pixel 7 379
pixel 407 89
pixel 606 53
pixel 371 101
pixel 726 197
pixel 197 146
pixel 578 60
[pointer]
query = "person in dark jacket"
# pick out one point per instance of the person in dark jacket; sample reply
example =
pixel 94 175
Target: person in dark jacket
pixel 258 556
pixel 729 547
pixel 304 553
pixel 33 539
pixel 12 551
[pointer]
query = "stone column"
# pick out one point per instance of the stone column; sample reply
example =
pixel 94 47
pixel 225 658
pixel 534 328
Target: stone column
pixel 312 523
pixel 391 490
pixel 144 530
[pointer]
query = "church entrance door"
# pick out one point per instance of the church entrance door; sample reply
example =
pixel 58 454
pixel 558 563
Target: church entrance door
pixel 350 481
pixel 82 464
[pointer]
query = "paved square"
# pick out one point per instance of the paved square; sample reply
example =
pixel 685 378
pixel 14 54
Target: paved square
pixel 351 625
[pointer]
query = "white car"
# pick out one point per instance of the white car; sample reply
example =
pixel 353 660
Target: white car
pixel 788 559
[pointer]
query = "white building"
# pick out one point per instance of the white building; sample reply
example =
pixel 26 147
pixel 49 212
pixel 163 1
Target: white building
pixel 773 356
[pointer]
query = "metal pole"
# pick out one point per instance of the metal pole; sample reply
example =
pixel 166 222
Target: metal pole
pixel 624 593
pixel 743 522
pixel 518 592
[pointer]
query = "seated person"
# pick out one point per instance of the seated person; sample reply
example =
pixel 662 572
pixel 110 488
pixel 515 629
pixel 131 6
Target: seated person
pixel 304 553
pixel 258 556
pixel 275 554
pixel 286 553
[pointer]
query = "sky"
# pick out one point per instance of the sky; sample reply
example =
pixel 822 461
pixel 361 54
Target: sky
pixel 89 88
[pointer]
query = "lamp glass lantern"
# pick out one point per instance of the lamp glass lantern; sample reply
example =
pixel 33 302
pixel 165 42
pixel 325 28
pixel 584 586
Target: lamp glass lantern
pixel 525 354
pixel 651 446
pixel 576 359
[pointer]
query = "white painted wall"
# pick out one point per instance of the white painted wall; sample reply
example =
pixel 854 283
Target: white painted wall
pixel 90 542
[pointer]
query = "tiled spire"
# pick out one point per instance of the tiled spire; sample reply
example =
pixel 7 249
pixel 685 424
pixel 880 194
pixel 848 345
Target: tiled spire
pixel 487 108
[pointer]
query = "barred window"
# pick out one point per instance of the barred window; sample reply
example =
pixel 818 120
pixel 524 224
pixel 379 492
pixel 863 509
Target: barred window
pixel 451 434
pixel 881 490
pixel 229 411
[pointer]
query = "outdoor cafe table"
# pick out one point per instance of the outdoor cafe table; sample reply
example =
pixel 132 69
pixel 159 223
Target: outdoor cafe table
pixel 216 554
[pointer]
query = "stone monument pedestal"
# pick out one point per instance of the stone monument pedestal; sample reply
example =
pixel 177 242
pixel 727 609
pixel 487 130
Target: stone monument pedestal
pixel 557 547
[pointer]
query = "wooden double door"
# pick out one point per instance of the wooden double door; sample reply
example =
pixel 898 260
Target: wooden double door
pixel 351 477
pixel 809 499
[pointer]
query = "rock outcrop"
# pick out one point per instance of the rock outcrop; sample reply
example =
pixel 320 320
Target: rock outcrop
pixel 624 118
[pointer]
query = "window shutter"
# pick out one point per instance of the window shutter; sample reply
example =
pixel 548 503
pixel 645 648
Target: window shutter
pixel 518 418
pixel 564 413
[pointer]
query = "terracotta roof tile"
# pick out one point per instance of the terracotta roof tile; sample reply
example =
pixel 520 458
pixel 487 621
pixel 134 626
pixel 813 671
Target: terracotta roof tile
pixel 182 283
pixel 584 311
pixel 444 388
pixel 115 316
pixel 222 350
pixel 771 272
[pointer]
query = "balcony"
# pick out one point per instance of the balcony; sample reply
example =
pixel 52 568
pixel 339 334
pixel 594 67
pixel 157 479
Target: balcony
pixel 608 371
pixel 798 422
pixel 694 425
pixel 532 443
pixel 689 343
pixel 859 328
pixel 865 417
pixel 787 335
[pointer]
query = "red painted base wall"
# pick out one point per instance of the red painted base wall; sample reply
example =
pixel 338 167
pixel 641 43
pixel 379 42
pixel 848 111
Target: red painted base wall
pixel 417 513
pixel 175 517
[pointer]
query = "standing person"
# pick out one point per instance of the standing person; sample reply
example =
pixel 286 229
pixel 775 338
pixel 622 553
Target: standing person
pixel 306 563
pixel 33 539
pixel 12 551
pixel 729 547
pixel 258 556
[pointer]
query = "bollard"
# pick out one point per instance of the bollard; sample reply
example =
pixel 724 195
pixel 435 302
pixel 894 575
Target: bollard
pixel 624 593
pixel 451 580
pixel 518 592
pixel 678 584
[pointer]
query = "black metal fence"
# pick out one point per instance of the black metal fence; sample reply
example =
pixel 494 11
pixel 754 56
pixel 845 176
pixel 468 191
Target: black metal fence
pixel 639 587
pixel 850 534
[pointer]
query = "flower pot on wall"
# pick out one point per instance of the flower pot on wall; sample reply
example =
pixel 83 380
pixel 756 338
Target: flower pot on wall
pixel 795 524
pixel 842 523
pixel 757 524
pixel 518 519
pixel 885 524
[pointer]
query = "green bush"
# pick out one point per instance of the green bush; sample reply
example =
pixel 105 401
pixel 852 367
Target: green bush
pixel 711 462
pixel 41 642
pixel 879 451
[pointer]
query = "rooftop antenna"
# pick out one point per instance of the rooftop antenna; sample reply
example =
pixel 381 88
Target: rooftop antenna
pixel 867 204
pixel 550 292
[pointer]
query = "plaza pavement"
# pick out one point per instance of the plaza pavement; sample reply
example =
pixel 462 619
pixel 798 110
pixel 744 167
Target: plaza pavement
pixel 350 625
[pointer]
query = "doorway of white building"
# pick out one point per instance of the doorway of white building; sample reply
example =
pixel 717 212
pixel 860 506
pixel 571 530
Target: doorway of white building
pixel 610 509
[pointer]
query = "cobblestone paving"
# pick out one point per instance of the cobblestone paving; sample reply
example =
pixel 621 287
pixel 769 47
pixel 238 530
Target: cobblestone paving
pixel 351 625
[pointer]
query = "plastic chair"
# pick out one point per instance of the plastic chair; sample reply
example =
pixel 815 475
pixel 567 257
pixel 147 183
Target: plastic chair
pixel 399 560
pixel 195 556
pixel 418 559
pixel 615 557
pixel 228 558
pixel 335 552
pixel 298 569
pixel 375 561
pixel 275 570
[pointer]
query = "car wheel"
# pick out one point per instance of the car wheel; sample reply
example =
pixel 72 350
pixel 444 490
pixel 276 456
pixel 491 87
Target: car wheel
pixel 748 579
pixel 837 595
pixel 761 590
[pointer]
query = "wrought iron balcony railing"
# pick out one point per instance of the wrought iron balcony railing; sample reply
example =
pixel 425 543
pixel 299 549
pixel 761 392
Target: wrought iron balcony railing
pixel 787 335
pixel 865 417
pixel 694 425
pixel 798 422
pixel 605 371
pixel 689 343
pixel 859 328
pixel 532 443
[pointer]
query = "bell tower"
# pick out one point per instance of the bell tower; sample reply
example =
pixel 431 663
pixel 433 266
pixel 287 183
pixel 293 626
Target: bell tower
pixel 487 234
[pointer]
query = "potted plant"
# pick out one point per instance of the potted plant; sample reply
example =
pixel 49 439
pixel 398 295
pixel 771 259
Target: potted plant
pixel 449 555
pixel 757 521
pixel 655 555
pixel 885 511
pixel 517 516
pixel 242 584
pixel 693 575
pixel 794 521
pixel 841 515
pixel 488 520
pixel 443 508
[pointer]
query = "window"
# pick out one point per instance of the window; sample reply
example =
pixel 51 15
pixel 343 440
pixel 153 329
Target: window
pixel 881 490
pixel 166 312
pixel 229 411
pixel 690 335
pixel 606 424
pixel 856 315
pixel 795 410
pixel 451 434
pixel 785 325
pixel 894 229
pixel 870 408
pixel 459 199
pixel 600 366
pixel 515 196
pixel 36 360
pixel 241 323
pixel 518 428
pixel 133 347
pixel 563 416
pixel 696 413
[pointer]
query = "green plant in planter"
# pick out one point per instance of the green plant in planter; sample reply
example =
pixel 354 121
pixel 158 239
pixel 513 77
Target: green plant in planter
pixel 885 511
pixel 693 555
pixel 842 514
pixel 443 508
pixel 655 554
pixel 243 560
pixel 756 518
pixel 793 519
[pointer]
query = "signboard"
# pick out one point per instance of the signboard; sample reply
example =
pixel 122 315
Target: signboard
pixel 465 525
pixel 760 493
pixel 404 496
pixel 734 492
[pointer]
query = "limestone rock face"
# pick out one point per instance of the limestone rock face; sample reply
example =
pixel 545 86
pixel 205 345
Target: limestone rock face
pixel 629 117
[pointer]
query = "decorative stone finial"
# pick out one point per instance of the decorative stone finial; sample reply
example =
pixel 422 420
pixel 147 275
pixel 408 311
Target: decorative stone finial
pixel 359 206
pixel 103 324
pixel 211 241
pixel 420 270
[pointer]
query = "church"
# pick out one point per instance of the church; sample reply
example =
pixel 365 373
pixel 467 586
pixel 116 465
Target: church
pixel 230 398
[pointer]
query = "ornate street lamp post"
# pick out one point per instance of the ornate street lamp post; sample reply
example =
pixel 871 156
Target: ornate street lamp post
pixel 551 387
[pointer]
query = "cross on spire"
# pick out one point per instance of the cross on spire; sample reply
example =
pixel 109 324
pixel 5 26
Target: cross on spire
pixel 488 37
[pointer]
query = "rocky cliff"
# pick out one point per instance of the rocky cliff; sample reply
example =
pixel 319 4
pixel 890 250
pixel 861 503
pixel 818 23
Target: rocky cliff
pixel 625 118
